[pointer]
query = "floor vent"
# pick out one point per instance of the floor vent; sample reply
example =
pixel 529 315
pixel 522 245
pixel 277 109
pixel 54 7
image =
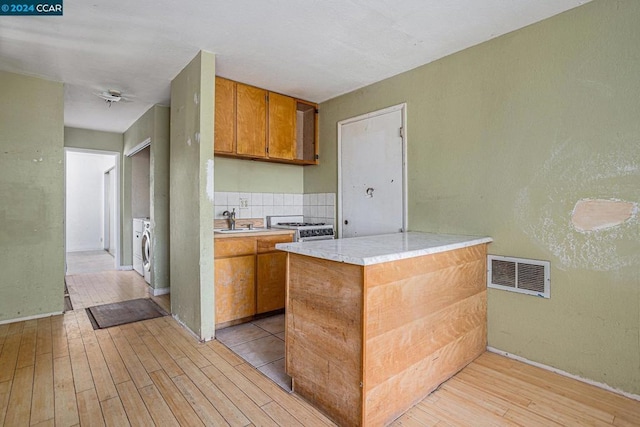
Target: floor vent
pixel 525 276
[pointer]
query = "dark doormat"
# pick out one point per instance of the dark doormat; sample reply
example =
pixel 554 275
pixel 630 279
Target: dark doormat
pixel 120 313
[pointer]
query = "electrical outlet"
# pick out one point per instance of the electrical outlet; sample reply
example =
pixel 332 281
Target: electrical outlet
pixel 244 203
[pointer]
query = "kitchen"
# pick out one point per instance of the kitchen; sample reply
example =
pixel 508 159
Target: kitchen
pixel 254 283
pixel 250 274
pixel 505 139
pixel 467 192
pixel 464 190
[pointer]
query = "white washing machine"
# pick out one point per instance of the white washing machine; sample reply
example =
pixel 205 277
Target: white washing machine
pixel 146 250
pixel 138 229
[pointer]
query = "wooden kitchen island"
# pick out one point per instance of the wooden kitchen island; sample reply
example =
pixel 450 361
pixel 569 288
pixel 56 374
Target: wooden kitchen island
pixel 374 324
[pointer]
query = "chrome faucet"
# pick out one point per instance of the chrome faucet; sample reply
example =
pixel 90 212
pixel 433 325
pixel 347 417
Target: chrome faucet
pixel 231 217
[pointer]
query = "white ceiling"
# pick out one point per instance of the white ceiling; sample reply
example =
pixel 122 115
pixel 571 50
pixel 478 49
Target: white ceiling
pixel 312 49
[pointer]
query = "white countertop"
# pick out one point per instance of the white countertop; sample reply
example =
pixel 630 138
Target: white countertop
pixel 370 250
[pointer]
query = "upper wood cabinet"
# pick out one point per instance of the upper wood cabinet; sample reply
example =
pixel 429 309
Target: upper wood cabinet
pixel 225 116
pixel 251 120
pixel 253 123
pixel 282 126
pixel 307 132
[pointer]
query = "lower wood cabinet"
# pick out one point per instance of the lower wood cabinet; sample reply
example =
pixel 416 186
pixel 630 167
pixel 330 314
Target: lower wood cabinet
pixel 250 276
pixel 270 281
pixel 235 288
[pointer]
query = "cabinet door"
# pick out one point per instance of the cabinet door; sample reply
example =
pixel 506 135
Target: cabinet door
pixel 235 288
pixel 307 132
pixel 251 121
pixel 272 270
pixel 225 116
pixel 282 126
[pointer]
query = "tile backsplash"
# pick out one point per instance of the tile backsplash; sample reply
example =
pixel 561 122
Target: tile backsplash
pixel 316 207
pixel 319 207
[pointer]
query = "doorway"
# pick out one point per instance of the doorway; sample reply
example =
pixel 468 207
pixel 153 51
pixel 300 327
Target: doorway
pixel 94 273
pixel 91 204
pixel 372 190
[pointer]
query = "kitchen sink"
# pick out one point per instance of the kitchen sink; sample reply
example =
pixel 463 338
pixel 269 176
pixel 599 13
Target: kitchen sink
pixel 237 230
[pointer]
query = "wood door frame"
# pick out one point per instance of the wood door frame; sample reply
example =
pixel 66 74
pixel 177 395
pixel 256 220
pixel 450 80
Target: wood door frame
pixel 109 199
pixel 399 107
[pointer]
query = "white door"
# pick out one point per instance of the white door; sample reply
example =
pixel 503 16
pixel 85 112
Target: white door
pixel 372 191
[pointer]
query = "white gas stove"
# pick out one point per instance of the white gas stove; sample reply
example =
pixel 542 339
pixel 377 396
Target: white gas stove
pixel 305 231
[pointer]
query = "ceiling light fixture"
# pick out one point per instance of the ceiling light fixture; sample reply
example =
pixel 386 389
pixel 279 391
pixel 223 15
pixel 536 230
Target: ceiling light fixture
pixel 110 96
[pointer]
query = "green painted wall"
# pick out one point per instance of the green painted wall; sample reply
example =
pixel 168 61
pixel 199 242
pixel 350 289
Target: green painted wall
pixel 92 139
pixel 137 133
pixel 160 198
pixel 191 195
pixel 503 139
pixel 256 177
pixel 32 194
pixel 153 125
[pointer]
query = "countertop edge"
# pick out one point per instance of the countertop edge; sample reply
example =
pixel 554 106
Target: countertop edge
pixel 378 259
pixel 428 251
pixel 253 233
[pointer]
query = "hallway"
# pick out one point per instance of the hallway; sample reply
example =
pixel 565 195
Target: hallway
pixel 89 262
pixel 89 289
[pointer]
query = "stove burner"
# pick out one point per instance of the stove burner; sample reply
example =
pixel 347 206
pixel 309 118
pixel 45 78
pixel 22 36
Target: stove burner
pixel 300 224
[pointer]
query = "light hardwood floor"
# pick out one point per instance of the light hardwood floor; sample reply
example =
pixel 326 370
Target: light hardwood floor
pixel 59 371
pixel 89 262
pixel 104 287
pixel 495 390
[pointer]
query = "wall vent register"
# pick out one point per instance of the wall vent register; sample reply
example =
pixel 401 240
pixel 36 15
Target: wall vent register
pixel 520 275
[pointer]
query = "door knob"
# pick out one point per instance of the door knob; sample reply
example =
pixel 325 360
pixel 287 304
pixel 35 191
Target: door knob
pixel 346 222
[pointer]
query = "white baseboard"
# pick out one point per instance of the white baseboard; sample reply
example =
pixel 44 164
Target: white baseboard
pixel 159 291
pixel 125 267
pixel 35 316
pixel 564 373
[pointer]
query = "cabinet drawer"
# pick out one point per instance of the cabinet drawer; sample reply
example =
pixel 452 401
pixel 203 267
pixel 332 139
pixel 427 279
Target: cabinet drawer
pixel 234 247
pixel 268 244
